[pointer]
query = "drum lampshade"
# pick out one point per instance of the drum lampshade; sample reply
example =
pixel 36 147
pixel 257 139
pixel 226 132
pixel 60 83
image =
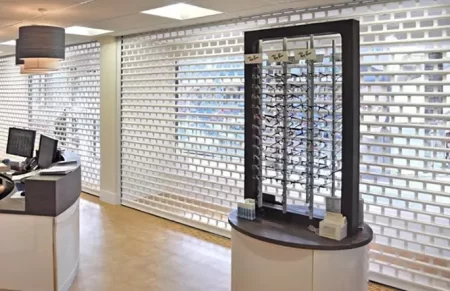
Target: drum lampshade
pixel 18 60
pixel 38 41
pixel 41 64
pixel 25 71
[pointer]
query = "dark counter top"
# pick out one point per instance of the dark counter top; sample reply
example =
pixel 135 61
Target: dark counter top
pixel 45 195
pixel 12 205
pixel 291 234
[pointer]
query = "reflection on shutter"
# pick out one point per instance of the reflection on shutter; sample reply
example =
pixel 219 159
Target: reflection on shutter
pixel 64 104
pixel 182 128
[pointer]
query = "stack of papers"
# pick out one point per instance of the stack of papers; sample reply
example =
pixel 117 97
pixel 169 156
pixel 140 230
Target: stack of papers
pixel 59 170
pixel 18 195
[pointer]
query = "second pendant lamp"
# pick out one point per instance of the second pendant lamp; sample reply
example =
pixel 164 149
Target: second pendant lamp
pixel 41 48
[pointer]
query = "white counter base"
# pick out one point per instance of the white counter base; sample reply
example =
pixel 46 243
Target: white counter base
pixel 261 266
pixel 39 253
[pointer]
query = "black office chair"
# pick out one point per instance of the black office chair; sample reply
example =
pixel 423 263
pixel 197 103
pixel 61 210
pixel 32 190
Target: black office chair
pixel 9 187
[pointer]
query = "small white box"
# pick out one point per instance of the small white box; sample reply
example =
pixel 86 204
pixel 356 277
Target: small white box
pixel 247 209
pixel 334 226
pixel 333 204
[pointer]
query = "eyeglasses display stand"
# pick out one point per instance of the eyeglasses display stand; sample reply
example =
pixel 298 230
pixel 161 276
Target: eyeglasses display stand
pixel 301 153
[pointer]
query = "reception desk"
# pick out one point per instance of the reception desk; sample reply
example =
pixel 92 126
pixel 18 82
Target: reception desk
pixel 39 234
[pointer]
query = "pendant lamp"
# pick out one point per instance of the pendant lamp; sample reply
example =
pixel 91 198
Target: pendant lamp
pixel 21 62
pixel 18 60
pixel 41 47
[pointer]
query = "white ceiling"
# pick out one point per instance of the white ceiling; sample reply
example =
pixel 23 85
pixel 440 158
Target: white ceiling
pixel 122 16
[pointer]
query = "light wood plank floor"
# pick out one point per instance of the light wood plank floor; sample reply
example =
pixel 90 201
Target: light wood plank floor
pixel 125 250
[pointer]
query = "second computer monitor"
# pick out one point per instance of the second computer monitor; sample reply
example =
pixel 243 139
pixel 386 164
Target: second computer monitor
pixel 47 151
pixel 21 142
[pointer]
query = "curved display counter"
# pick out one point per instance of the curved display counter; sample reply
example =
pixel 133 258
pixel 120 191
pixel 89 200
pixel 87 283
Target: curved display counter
pixel 274 254
pixel 39 234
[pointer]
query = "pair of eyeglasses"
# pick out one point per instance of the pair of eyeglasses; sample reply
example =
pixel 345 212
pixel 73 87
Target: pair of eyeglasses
pixel 292 108
pixel 274 159
pixel 298 88
pixel 274 87
pixel 323 120
pixel 290 96
pixel 326 108
pixel 276 140
pixel 271 150
pixel 273 138
pixel 279 180
pixel 316 144
pixel 316 154
pixel 278 87
pixel 316 167
pixel 277 77
pixel 289 76
pixel 323 77
pixel 273 118
pixel 278 130
pixel 317 132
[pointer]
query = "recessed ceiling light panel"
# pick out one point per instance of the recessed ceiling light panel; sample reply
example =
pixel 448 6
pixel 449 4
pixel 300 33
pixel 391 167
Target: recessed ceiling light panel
pixel 181 11
pixel 9 42
pixel 86 31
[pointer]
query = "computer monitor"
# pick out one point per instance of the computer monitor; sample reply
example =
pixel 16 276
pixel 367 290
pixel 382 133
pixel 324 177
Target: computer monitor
pixel 21 142
pixel 47 151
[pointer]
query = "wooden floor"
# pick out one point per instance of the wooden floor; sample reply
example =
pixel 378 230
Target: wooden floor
pixel 126 250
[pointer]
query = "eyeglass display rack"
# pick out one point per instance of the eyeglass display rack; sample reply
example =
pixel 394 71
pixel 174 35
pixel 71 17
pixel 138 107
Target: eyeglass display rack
pixel 302 120
pixel 301 149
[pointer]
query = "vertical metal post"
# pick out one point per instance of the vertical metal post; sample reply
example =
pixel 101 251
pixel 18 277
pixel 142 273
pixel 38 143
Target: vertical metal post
pixel 285 129
pixel 310 132
pixel 333 126
pixel 307 166
pixel 260 133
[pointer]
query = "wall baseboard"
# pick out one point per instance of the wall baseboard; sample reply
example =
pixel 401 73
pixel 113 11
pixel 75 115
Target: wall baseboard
pixel 110 197
pixel 90 191
pixel 397 283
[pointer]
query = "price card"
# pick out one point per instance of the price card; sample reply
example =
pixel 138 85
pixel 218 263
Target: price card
pixel 305 54
pixel 278 56
pixel 253 59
